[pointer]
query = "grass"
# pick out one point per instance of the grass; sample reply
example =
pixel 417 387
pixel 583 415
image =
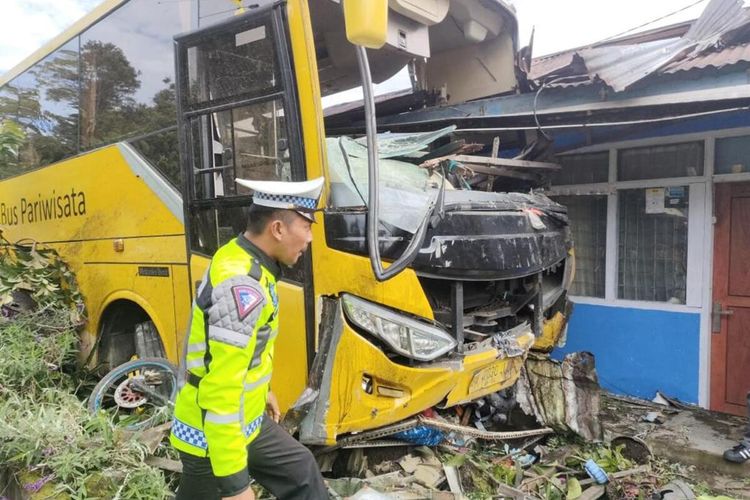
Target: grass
pixel 48 440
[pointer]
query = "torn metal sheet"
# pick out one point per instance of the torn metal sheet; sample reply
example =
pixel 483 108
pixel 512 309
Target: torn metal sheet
pixel 620 66
pixel 562 395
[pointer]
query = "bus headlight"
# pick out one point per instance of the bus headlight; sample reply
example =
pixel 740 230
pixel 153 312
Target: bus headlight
pixel 406 336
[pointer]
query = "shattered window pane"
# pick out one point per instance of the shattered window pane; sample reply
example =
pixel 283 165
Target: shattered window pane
pixel 588 225
pixel 588 168
pixel 653 244
pixel 732 155
pixel 231 65
pixel 660 162
pixel 406 191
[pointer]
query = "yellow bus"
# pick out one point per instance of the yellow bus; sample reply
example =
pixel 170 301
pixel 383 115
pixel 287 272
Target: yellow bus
pixel 133 142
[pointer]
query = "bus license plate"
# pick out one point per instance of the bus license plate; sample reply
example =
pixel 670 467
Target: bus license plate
pixel 487 376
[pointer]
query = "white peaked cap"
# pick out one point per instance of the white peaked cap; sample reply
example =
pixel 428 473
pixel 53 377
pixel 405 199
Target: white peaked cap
pixel 299 196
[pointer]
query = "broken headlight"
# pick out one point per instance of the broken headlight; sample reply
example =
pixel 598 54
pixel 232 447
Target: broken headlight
pixel 406 336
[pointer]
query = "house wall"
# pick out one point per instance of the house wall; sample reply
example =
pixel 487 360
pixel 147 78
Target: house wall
pixel 643 346
pixel 639 351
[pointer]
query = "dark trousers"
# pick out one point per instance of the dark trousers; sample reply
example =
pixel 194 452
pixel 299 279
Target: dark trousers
pixel 746 439
pixel 275 459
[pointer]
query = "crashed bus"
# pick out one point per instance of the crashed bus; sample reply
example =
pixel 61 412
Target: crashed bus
pixel 421 289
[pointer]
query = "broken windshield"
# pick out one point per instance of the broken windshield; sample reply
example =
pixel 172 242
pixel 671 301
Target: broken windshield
pixel 407 192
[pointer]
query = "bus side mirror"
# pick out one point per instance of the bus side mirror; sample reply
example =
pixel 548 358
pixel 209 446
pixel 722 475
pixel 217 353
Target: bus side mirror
pixel 366 22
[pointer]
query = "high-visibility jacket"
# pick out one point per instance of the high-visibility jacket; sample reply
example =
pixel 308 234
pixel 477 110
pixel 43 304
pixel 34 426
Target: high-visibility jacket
pixel 228 357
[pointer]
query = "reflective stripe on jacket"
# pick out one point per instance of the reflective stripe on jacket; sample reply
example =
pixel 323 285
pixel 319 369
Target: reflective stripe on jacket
pixel 228 358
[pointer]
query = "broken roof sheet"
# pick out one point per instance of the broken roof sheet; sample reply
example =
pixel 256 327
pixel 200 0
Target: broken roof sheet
pixel 620 65
pixel 725 57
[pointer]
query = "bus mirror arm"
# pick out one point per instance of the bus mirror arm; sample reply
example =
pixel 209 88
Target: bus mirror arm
pixel 373 218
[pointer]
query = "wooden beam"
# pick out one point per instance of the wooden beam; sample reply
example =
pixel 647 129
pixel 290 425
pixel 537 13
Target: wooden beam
pixel 503 172
pixel 505 162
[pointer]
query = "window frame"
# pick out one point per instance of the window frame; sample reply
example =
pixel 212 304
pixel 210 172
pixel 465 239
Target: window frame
pixel 285 91
pixel 699 204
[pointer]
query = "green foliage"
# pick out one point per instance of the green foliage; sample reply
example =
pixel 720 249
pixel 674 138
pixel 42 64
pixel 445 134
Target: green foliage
pixel 48 439
pixel 12 138
pixel 608 458
pixel 43 275
pixel 34 350
pixel 79 454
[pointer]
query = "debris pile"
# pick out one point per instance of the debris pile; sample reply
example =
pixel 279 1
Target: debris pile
pixel 544 467
pixel 467 451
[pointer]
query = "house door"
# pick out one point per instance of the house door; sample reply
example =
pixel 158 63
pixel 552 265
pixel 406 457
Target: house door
pixel 730 325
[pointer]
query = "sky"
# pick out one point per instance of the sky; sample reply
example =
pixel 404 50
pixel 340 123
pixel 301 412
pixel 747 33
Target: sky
pixel 26 25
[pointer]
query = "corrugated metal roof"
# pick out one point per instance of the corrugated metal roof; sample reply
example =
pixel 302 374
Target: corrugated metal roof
pixel 547 65
pixel 720 59
pixel 719 17
pixel 621 65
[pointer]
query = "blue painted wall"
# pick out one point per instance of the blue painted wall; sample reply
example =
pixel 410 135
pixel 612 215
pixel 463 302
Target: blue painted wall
pixel 638 351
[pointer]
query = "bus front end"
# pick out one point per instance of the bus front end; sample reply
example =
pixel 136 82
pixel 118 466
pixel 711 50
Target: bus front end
pixel 435 298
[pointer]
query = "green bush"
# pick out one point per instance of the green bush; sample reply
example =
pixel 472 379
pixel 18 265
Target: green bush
pixel 47 437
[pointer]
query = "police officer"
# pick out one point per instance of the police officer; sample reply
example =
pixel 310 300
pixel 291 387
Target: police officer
pixel 226 419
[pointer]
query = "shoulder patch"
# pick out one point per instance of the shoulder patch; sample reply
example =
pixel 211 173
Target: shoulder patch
pixel 246 298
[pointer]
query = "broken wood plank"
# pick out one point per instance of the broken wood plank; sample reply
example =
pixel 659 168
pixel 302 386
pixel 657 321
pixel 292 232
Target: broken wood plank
pixel 510 492
pixel 493 155
pixel 454 480
pixel 593 493
pixel 164 463
pixel 503 172
pixel 494 162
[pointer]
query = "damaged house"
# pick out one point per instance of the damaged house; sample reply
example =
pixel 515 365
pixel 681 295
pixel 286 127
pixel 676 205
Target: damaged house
pixel 653 134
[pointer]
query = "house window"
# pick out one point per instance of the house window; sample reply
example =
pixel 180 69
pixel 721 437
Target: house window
pixel 732 155
pixel 582 169
pixel 588 224
pixel 653 244
pixel 638 231
pixel 660 162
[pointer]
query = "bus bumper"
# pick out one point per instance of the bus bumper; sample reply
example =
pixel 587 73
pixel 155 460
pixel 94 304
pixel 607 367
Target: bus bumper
pixel 354 386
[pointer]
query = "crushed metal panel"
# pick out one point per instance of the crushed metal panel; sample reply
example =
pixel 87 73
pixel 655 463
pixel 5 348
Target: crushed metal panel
pixel 344 391
pixel 562 395
pixel 718 18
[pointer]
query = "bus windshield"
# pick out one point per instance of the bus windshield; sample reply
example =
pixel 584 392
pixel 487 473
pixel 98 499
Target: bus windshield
pixel 407 192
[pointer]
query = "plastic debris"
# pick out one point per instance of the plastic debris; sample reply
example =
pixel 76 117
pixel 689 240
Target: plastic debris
pixel 595 472
pixel 421 435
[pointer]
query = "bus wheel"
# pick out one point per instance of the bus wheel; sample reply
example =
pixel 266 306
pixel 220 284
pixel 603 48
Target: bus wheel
pixel 138 394
pixel 126 331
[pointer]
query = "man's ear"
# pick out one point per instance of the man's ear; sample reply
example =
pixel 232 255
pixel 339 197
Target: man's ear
pixel 276 229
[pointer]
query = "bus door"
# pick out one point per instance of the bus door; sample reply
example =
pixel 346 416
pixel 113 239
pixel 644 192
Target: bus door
pixel 238 118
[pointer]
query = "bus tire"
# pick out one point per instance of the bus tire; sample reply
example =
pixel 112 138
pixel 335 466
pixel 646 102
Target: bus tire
pixel 125 331
pixel 147 341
